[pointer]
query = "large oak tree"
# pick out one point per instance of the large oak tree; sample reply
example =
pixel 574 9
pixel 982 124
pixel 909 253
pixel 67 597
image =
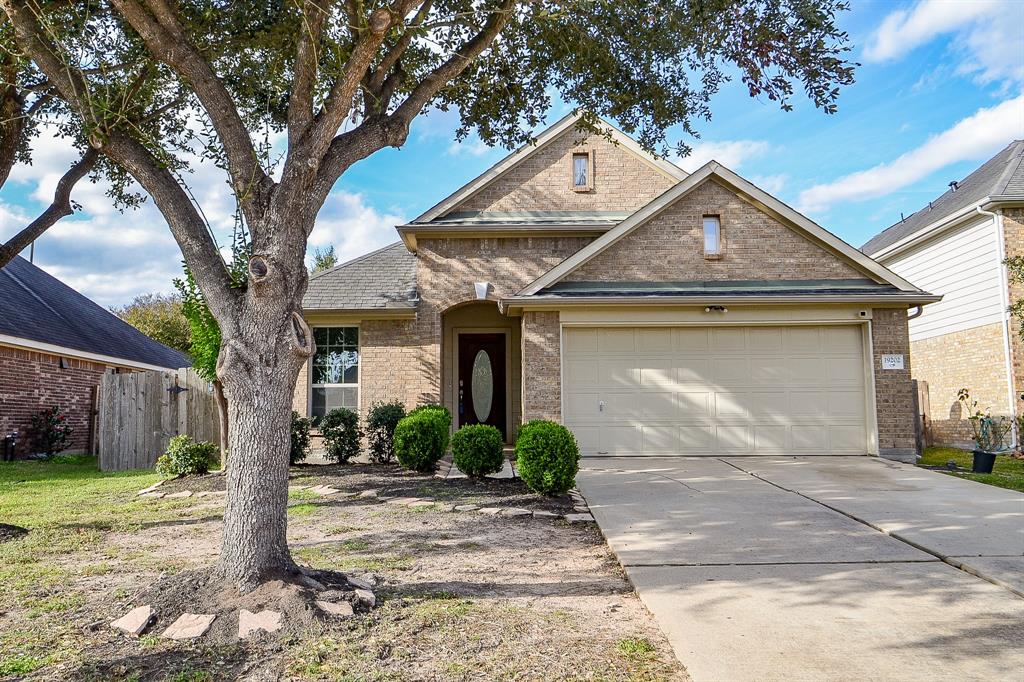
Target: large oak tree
pixel 141 86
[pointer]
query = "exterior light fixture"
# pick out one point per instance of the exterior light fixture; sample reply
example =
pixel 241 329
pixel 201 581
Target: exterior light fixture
pixel 482 288
pixel 716 309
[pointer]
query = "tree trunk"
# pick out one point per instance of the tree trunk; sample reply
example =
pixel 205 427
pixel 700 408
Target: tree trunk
pixel 222 419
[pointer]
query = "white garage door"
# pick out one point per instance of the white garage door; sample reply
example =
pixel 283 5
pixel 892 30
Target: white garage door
pixel 715 390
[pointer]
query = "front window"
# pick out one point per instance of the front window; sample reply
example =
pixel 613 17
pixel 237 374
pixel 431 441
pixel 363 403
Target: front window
pixel 335 369
pixel 712 236
pixel 582 172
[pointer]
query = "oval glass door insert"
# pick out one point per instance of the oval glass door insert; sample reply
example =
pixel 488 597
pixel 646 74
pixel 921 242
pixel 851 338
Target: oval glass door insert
pixel 482 385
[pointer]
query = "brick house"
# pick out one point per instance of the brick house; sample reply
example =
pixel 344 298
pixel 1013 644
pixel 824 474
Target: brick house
pixel 956 247
pixel 650 310
pixel 55 345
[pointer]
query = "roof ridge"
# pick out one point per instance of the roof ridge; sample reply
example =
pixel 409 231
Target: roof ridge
pixel 357 259
pixel 1011 167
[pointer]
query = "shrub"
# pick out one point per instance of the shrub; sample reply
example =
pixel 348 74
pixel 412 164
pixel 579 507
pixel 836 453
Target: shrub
pixel 50 430
pixel 380 426
pixel 300 438
pixel 341 432
pixel 478 450
pixel 421 438
pixel 547 457
pixel 186 457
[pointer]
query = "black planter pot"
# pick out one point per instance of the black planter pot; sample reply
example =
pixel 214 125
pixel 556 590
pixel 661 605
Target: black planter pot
pixel 983 462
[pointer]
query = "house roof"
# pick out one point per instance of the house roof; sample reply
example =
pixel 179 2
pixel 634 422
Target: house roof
pixel 750 192
pixel 1001 176
pixel 37 307
pixel 382 280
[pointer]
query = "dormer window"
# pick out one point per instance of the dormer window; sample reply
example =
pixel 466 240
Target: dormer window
pixel 712 236
pixel 582 172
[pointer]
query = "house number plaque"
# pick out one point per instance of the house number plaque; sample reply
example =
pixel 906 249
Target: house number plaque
pixel 892 362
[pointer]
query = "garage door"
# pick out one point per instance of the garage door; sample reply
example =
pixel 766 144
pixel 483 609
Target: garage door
pixel 715 390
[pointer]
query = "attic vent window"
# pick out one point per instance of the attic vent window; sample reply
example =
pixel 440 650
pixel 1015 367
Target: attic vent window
pixel 712 236
pixel 582 172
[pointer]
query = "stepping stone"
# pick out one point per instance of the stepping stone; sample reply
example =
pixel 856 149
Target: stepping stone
pixel 359 583
pixel 545 515
pixel 366 597
pixel 325 490
pixel 582 509
pixel 336 608
pixel 421 503
pixel 368 494
pixel 189 626
pixel 579 518
pixel 153 496
pixel 466 507
pixel 135 621
pixel 151 488
pixel 298 487
pixel 516 512
pixel 404 500
pixel 491 511
pixel 249 622
pixel 178 496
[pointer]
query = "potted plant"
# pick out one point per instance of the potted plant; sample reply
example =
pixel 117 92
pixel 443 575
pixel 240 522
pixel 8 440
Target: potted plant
pixel 989 433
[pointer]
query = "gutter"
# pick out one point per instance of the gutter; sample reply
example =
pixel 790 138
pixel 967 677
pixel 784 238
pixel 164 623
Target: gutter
pixel 519 302
pixel 409 232
pixel 63 351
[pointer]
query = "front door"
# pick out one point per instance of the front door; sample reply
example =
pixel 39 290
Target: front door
pixel 481 387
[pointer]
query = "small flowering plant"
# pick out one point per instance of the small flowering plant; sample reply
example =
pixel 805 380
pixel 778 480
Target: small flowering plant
pixel 50 430
pixel 990 433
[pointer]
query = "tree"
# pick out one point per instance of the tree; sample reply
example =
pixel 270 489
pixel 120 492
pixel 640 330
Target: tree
pixel 342 80
pixel 158 316
pixel 324 259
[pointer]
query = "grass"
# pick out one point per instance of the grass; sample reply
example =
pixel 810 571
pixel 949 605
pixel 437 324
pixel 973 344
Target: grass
pixel 1007 473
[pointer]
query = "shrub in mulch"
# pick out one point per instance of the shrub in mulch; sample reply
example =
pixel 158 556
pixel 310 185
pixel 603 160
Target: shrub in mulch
pixel 342 435
pixel 380 429
pixel 421 438
pixel 547 457
pixel 300 438
pixel 478 450
pixel 186 457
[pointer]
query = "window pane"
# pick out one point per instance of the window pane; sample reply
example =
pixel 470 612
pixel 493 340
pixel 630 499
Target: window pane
pixel 337 336
pixel 337 356
pixel 579 170
pixel 327 399
pixel 320 335
pixel 711 235
pixel 352 336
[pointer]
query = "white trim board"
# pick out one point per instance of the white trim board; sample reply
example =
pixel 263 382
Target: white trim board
pixel 524 152
pixel 62 351
pixel 748 191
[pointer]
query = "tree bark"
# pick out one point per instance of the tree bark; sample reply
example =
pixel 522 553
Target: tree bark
pixel 222 418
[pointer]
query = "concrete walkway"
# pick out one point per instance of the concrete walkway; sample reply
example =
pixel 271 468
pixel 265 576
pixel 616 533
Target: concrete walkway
pixel 815 568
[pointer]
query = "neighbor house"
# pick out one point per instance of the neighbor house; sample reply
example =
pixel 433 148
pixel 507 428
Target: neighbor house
pixel 955 246
pixel 55 345
pixel 651 311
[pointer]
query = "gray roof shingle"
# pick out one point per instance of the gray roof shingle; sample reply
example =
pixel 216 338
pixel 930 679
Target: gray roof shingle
pixel 39 307
pixel 383 279
pixel 1002 175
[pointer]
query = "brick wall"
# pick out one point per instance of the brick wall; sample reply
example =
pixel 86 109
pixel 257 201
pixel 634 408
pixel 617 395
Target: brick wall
pixel 670 247
pixel 893 391
pixel 1013 228
pixel 542 366
pixel 622 181
pixel 32 381
pixel 971 358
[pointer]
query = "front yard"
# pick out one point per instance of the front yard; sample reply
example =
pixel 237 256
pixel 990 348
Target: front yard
pixel 1007 473
pixel 463 595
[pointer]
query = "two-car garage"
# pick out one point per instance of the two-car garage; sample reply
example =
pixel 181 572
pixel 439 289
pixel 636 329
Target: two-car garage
pixel 709 390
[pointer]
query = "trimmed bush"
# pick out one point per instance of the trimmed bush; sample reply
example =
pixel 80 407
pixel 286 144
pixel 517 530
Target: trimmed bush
pixel 300 438
pixel 185 457
pixel 547 457
pixel 478 450
pixel 50 431
pixel 421 438
pixel 380 428
pixel 341 432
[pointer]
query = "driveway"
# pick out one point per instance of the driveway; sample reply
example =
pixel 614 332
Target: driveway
pixel 819 568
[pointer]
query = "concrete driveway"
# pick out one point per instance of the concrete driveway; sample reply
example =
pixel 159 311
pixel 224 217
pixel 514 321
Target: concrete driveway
pixel 819 568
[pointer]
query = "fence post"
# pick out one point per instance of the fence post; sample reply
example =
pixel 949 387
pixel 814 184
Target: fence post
pixel 182 383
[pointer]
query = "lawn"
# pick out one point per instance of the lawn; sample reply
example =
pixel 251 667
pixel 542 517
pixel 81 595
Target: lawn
pixel 1007 473
pixel 461 595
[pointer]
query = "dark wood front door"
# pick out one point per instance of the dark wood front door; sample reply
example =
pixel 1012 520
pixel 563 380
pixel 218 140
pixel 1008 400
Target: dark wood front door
pixel 481 387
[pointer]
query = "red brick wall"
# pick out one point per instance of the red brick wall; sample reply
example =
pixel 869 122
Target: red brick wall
pixel 894 395
pixel 32 381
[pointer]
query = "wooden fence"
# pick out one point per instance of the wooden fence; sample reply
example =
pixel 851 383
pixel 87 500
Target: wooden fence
pixel 139 413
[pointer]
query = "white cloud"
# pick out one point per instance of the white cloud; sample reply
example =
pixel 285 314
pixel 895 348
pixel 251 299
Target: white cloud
pixel 773 184
pixel 976 137
pixel 471 147
pixel 352 226
pixel 730 153
pixel 989 35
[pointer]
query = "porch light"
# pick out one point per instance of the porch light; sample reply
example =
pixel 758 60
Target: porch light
pixel 716 309
pixel 482 289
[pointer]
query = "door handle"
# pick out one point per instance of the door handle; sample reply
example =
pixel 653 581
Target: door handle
pixel 600 406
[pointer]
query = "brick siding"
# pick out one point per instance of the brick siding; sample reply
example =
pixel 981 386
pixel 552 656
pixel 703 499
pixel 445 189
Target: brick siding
pixel 1013 228
pixel 894 398
pixel 32 381
pixel 542 371
pixel 670 247
pixel 622 181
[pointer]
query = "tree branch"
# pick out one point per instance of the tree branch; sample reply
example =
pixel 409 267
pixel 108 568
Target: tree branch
pixel 60 207
pixel 307 59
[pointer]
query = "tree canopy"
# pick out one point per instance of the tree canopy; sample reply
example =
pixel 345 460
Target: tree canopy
pixel 160 317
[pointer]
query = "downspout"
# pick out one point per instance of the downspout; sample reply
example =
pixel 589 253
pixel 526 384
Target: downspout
pixel 1004 300
pixel 918 310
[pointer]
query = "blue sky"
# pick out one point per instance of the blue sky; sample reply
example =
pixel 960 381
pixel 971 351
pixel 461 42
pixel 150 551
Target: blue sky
pixel 939 91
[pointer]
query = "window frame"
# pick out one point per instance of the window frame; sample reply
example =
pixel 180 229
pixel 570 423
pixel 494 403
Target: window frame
pixel 589 154
pixel 359 372
pixel 717 254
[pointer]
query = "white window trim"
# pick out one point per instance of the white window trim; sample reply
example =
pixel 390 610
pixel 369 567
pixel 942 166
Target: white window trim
pixel 589 153
pixel 358 385
pixel 716 254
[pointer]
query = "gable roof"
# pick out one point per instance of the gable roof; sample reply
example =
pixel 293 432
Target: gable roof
pixel 382 280
pixel 37 307
pixel 1002 177
pixel 565 123
pixel 751 193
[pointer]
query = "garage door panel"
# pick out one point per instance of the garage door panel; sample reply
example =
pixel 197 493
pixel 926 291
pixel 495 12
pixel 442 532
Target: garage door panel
pixel 656 373
pixel 803 339
pixel 617 340
pixel 620 439
pixel 581 406
pixel 730 371
pixel 768 370
pixel 692 370
pixel 809 437
pixel 733 438
pixel 845 371
pixel 765 339
pixel 846 438
pixel 806 370
pixel 580 372
pixel 767 404
pixel 845 404
pixel 771 438
pixel 655 340
pixel 618 372
pixel 840 340
pixel 657 406
pixel 806 404
pixel 660 439
pixel 694 404
pixel 691 339
pixel 696 439
pixel 728 339
pixel 730 404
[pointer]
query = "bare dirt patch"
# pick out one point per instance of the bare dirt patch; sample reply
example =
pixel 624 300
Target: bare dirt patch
pixel 9 532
